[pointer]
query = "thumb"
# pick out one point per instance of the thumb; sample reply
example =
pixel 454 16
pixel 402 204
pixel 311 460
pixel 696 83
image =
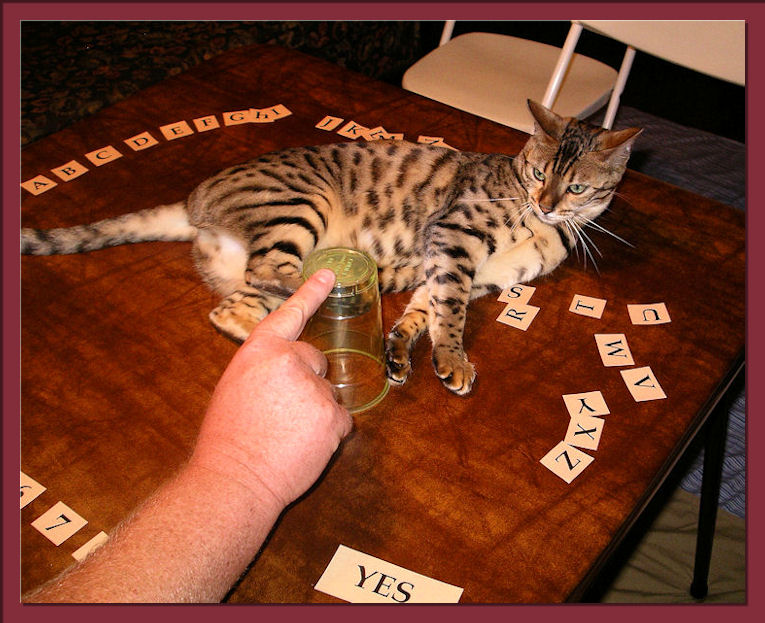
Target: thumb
pixel 291 317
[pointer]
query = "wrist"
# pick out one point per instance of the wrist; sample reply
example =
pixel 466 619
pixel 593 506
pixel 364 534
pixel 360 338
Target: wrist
pixel 235 481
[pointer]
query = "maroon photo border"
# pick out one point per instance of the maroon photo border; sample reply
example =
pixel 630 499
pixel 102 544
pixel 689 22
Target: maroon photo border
pixel 14 13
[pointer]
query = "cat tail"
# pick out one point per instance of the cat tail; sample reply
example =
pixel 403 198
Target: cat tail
pixel 164 222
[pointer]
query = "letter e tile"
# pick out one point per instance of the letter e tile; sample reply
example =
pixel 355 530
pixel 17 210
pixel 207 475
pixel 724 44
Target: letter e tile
pixel 566 461
pixel 58 523
pixel 175 130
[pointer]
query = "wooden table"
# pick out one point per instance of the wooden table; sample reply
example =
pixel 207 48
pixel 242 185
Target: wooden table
pixel 118 360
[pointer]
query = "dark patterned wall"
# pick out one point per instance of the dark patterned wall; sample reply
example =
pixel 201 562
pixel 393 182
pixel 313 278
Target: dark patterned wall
pixel 72 69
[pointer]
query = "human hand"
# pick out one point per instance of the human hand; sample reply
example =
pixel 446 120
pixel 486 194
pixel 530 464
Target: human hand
pixel 273 422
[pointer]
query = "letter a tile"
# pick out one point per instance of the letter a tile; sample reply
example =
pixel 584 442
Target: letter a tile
pixel 566 461
pixel 642 384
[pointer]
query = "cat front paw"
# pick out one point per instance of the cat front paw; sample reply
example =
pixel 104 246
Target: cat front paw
pixel 397 359
pixel 453 368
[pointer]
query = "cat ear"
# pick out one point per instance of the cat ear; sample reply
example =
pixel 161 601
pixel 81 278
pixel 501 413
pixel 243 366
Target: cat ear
pixel 546 120
pixel 617 145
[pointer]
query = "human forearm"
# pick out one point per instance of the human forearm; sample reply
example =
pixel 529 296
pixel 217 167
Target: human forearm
pixel 188 543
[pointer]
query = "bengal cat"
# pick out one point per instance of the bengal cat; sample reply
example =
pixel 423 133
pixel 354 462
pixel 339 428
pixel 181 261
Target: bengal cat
pixel 447 224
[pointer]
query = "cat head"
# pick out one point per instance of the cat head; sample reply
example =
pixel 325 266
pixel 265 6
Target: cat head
pixel 569 168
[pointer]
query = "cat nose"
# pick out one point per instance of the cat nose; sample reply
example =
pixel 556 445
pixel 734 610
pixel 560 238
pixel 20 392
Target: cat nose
pixel 546 209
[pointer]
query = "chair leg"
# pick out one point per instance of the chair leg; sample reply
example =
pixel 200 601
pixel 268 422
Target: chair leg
pixel 616 94
pixel 553 87
pixel 446 33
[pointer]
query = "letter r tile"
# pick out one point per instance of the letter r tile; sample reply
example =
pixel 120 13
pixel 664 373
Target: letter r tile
pixel 566 461
pixel 518 316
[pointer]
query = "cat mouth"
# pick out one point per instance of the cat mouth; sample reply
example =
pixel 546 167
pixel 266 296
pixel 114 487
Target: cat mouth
pixel 549 218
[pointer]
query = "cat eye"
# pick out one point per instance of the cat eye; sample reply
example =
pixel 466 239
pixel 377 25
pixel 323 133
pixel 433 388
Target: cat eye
pixel 539 175
pixel 576 189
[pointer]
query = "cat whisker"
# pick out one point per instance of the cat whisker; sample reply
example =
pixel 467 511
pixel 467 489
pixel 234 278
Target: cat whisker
pixel 521 216
pixel 587 253
pixel 590 223
pixel 584 233
pixel 576 240
pixel 495 199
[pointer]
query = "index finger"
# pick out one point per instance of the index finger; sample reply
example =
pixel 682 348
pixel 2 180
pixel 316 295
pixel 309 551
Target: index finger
pixel 289 320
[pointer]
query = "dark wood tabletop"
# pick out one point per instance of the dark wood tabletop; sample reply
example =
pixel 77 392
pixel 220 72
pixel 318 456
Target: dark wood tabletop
pixel 118 359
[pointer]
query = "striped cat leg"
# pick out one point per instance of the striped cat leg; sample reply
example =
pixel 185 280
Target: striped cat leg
pixel 449 286
pixel 239 313
pixel 403 335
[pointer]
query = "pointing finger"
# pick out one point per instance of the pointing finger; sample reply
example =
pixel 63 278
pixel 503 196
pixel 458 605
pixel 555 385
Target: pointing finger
pixel 289 320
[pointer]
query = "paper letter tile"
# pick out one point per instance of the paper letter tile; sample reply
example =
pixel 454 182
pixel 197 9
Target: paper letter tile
pixel 642 384
pixel 566 461
pixel 518 316
pixel 29 490
pixel 237 117
pixel 360 578
pixel 587 306
pixel 94 543
pixel 352 130
pixel 269 115
pixel 69 171
pixel 203 124
pixel 175 130
pixel 144 140
pixel 518 294
pixel 613 349
pixel 38 185
pixel 329 123
pixel 654 313
pixel 103 156
pixel 376 134
pixel 586 404
pixel 59 523
pixel 584 432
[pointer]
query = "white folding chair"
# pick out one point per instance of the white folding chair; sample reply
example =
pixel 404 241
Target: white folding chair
pixel 715 48
pixel 493 75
